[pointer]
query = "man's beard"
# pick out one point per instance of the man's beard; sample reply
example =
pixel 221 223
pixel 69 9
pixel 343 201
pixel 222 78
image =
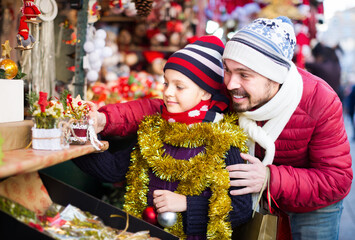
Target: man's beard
pixel 250 105
pixel 237 107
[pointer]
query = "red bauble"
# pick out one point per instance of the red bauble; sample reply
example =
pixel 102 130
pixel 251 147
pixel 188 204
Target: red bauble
pixel 149 215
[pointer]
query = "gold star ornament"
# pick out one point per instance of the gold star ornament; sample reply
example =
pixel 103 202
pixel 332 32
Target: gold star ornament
pixel 6 49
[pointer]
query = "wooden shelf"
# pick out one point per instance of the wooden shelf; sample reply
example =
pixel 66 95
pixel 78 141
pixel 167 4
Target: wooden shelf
pixel 118 19
pixel 154 48
pixel 21 161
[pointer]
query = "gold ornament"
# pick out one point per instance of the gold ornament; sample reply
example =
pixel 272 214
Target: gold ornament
pixel 206 169
pixel 10 68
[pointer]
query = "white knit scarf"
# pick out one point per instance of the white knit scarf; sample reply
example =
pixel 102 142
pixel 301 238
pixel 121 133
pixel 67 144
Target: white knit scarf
pixel 276 112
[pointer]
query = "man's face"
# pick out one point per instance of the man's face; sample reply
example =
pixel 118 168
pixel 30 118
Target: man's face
pixel 248 89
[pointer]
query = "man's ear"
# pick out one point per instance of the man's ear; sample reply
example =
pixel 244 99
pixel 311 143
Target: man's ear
pixel 206 96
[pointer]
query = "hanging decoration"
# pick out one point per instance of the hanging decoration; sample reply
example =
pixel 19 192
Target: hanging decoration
pixel 96 52
pixel 93 11
pixel 30 11
pixel 144 7
pixel 25 40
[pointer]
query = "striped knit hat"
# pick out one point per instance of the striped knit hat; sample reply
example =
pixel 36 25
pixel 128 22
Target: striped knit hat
pixel 265 46
pixel 201 61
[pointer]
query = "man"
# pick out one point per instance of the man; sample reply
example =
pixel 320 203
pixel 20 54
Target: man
pixel 296 118
pixel 295 125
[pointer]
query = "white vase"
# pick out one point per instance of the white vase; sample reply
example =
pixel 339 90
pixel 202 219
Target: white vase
pixel 48 139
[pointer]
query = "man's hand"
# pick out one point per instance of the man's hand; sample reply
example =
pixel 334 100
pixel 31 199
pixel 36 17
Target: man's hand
pixel 250 176
pixel 168 201
pixel 99 118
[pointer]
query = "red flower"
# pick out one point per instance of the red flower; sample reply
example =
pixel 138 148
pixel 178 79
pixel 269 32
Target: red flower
pixel 42 101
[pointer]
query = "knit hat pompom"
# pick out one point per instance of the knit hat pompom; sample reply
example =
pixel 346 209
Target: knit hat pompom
pixel 201 61
pixel 265 46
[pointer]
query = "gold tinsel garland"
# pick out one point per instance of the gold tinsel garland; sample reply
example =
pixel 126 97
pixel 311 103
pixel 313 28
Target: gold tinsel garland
pixel 206 169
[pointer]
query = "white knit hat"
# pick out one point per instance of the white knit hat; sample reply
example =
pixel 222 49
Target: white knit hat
pixel 265 46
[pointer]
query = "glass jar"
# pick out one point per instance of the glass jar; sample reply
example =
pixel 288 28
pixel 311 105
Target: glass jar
pixel 79 132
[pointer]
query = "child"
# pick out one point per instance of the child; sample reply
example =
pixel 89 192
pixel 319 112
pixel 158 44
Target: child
pixel 178 164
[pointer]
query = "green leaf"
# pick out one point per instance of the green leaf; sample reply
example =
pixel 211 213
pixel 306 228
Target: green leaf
pixel 2 74
pixel 20 74
pixel 31 97
pixel 63 98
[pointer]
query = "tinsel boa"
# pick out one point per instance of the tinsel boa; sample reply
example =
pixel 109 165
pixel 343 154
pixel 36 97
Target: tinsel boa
pixel 206 169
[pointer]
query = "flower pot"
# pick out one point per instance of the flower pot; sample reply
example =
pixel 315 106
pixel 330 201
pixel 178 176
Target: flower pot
pixel 48 139
pixel 80 128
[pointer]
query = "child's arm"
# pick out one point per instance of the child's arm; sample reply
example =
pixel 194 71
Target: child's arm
pixel 122 119
pixel 107 166
pixel 242 204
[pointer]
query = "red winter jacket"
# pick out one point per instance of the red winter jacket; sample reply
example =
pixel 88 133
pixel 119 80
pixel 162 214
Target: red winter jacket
pixel 312 164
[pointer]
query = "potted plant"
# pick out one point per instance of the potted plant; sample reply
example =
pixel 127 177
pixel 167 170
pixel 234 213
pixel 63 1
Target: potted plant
pixel 47 115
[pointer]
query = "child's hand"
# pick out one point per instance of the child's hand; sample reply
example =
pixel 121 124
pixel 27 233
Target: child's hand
pixel 168 201
pixel 99 118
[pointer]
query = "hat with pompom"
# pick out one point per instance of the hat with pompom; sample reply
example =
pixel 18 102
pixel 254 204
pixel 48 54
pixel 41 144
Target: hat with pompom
pixel 266 46
pixel 201 61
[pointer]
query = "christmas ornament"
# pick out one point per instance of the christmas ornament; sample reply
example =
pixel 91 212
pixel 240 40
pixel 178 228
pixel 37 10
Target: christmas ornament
pixel 106 52
pixel 89 47
pixel 25 40
pixel 99 43
pixel 100 34
pixel 149 215
pixel 6 49
pixel 30 10
pixel 96 52
pixel 92 76
pixel 167 219
pixel 10 68
pixel 144 7
pixel 94 11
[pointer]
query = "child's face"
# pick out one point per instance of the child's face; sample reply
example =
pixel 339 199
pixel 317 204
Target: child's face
pixel 181 93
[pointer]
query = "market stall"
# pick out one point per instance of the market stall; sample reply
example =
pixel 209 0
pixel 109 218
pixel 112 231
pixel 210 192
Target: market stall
pixel 58 55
